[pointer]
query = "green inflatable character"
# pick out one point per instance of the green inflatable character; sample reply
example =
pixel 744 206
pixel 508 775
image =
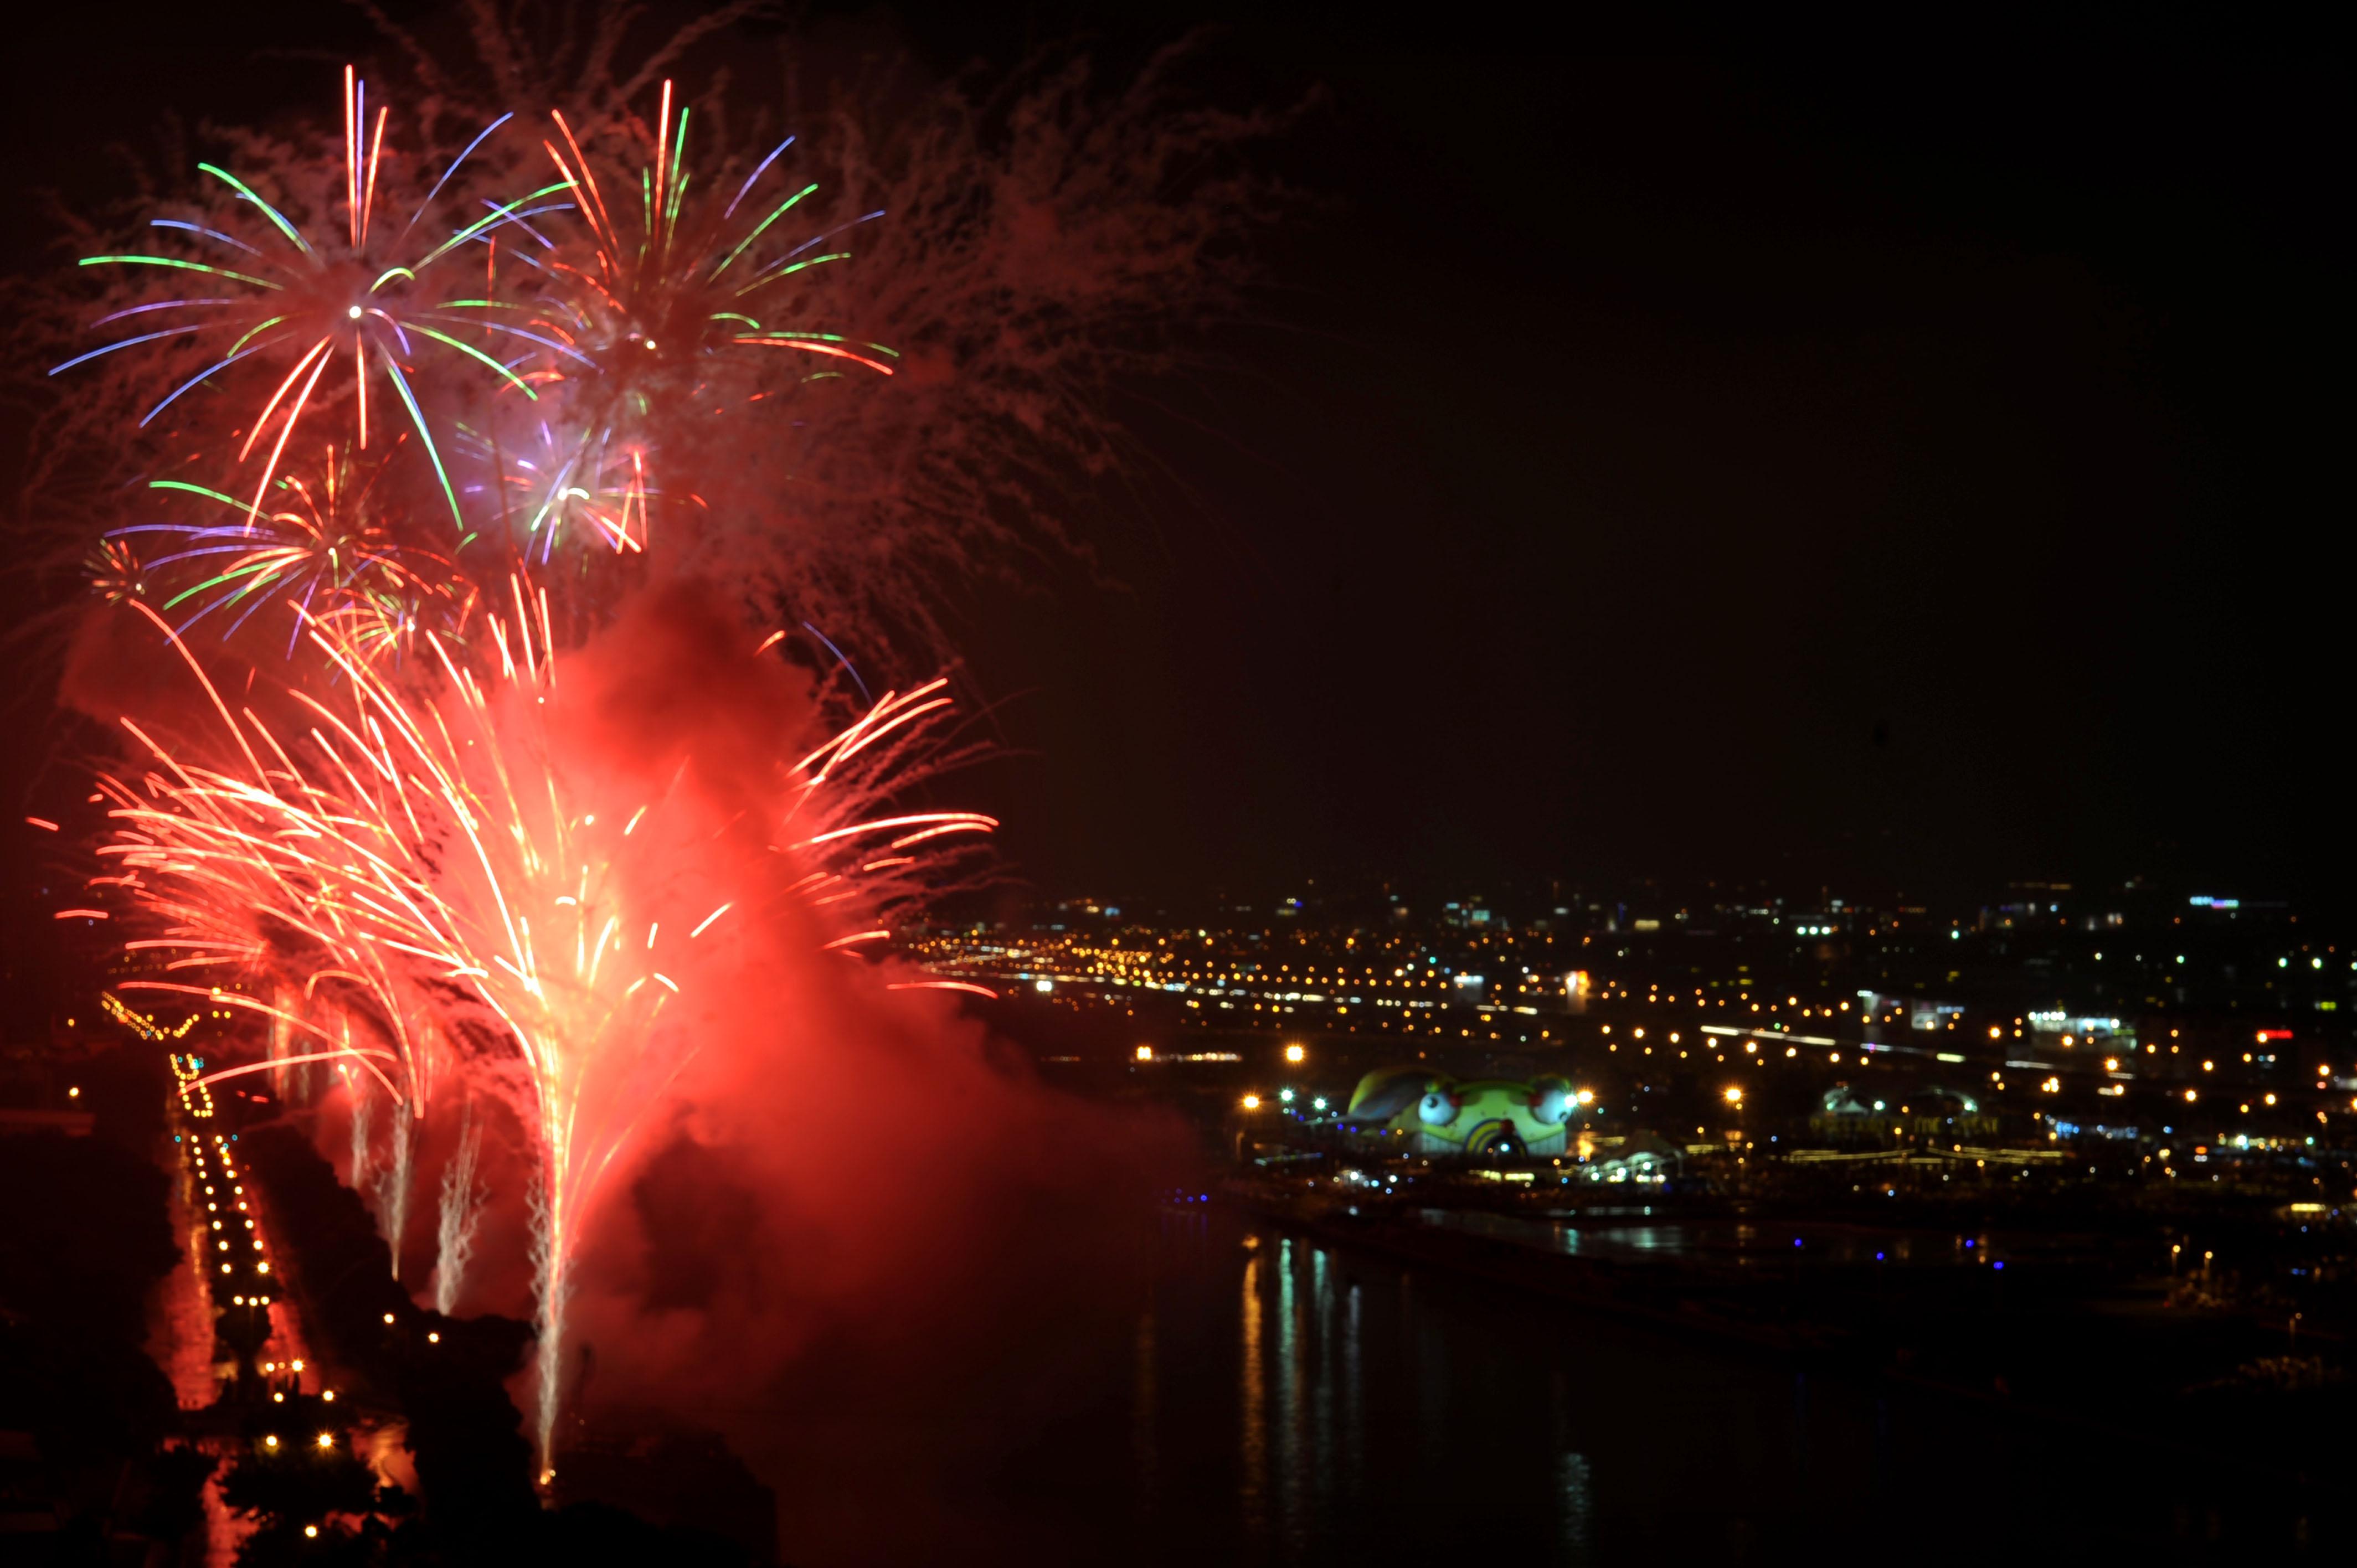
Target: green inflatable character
pixel 1429 1112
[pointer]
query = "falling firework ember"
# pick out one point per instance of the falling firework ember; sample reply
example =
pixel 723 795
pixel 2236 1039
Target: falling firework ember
pixel 400 1175
pixel 363 1156
pixel 461 1213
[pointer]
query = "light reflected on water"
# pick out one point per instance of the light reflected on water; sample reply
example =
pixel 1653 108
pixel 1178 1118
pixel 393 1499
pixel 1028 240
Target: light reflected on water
pixel 1235 1394
pixel 1372 1412
pixel 1640 1240
pixel 1575 1502
pixel 1251 1403
pixel 1147 1463
pixel 1310 1406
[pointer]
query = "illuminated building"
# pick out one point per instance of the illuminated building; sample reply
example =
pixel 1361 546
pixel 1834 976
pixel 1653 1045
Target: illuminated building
pixel 1433 1113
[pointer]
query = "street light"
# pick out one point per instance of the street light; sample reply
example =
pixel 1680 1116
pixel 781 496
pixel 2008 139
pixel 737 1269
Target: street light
pixel 1295 1053
pixel 1735 1097
pixel 1252 1101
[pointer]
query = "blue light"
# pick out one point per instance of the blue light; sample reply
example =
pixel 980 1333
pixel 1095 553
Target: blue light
pixel 1796 1240
pixel 2000 1265
pixel 1878 1257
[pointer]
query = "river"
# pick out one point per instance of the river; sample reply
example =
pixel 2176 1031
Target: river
pixel 1271 1400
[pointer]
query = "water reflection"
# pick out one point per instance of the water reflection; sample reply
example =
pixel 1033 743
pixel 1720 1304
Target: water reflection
pixel 1252 1401
pixel 1247 1396
pixel 1374 1412
pixel 1144 1379
pixel 1623 1239
pixel 1298 1405
pixel 1609 1235
pixel 1576 1500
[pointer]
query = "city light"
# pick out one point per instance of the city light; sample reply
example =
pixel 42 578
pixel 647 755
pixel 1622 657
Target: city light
pixel 1295 1053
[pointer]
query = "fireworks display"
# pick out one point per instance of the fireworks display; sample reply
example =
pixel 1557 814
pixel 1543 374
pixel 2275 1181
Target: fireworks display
pixel 413 453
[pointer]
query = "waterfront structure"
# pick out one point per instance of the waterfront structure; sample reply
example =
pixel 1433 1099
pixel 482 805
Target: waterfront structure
pixel 1425 1113
pixel 1639 1156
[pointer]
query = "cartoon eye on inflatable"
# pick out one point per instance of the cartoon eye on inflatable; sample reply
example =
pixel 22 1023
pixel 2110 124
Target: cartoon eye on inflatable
pixel 1437 1110
pixel 1554 1104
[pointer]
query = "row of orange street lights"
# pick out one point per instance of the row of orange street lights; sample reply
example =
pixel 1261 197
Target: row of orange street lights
pixel 1296 1054
pixel 218 1217
pixel 1733 1094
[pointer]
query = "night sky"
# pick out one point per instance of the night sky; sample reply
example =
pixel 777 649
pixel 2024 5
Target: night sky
pixel 1904 467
